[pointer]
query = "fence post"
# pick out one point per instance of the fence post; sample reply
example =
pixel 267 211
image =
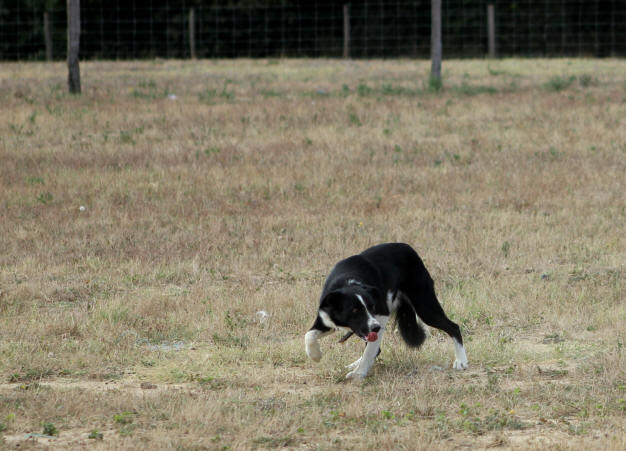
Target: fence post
pixel 435 43
pixel 192 32
pixel 47 34
pixel 73 45
pixel 491 30
pixel 346 30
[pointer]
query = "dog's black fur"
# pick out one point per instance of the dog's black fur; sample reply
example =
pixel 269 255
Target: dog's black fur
pixel 362 291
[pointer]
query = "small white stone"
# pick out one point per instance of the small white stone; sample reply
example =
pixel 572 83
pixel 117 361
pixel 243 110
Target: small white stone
pixel 81 208
pixel 262 316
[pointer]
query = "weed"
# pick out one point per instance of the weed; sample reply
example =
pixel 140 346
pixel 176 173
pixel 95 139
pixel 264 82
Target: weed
pixel 492 380
pixel 557 83
pixel 210 382
pixel 443 423
pixel 496 420
pixel 235 324
pixel 390 90
pixel 49 429
pixel 45 197
pixel 495 72
pixel 506 247
pixel 124 417
pixel 273 442
pixel 147 89
pixel 577 429
pixel 354 119
pixel 469 90
pixel 552 338
pixel 35 180
pixel 95 435
pixel 587 80
pixel 20 130
pixel 212 150
pixel 271 93
pixel 126 137
pixel 127 430
pixel 31 374
pixel 552 154
pixel 363 90
pixel 212 95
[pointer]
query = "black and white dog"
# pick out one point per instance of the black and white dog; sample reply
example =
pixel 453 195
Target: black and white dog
pixel 362 291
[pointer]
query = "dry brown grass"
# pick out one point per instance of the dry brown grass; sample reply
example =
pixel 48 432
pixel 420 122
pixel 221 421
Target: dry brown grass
pixel 241 193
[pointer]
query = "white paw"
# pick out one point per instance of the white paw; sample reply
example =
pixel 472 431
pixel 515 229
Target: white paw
pixel 355 375
pixel 314 352
pixel 354 364
pixel 460 364
pixel 312 346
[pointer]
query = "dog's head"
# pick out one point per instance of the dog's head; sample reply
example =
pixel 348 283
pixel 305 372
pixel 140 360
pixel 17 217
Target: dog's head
pixel 349 308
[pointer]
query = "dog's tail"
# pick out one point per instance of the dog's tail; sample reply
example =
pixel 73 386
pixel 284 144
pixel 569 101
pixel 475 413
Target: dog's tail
pixel 412 331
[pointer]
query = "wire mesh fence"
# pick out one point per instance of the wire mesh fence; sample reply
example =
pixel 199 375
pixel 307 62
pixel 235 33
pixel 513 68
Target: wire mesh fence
pixel 36 29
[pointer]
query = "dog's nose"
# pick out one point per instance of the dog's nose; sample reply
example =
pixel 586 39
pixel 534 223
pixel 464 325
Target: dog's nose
pixel 376 328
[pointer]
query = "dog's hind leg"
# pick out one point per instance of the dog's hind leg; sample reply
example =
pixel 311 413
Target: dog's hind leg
pixel 429 310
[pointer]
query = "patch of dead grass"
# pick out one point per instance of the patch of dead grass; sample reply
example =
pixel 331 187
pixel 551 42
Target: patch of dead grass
pixel 241 194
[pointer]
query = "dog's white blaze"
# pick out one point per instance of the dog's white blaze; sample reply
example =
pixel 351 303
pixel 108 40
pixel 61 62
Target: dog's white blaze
pixel 461 358
pixel 371 321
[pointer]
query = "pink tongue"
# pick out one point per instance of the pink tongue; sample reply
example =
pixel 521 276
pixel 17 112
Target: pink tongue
pixel 372 336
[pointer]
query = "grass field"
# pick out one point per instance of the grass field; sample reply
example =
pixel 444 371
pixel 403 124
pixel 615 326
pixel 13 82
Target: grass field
pixel 145 223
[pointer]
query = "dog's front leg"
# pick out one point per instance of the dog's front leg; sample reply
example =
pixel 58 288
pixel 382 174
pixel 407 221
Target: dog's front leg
pixel 312 344
pixel 366 361
pixel 363 365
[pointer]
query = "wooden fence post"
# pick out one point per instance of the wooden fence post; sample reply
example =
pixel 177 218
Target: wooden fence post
pixel 435 43
pixel 491 30
pixel 192 32
pixel 73 45
pixel 47 34
pixel 346 30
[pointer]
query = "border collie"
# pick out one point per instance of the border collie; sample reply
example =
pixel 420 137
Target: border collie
pixel 362 291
